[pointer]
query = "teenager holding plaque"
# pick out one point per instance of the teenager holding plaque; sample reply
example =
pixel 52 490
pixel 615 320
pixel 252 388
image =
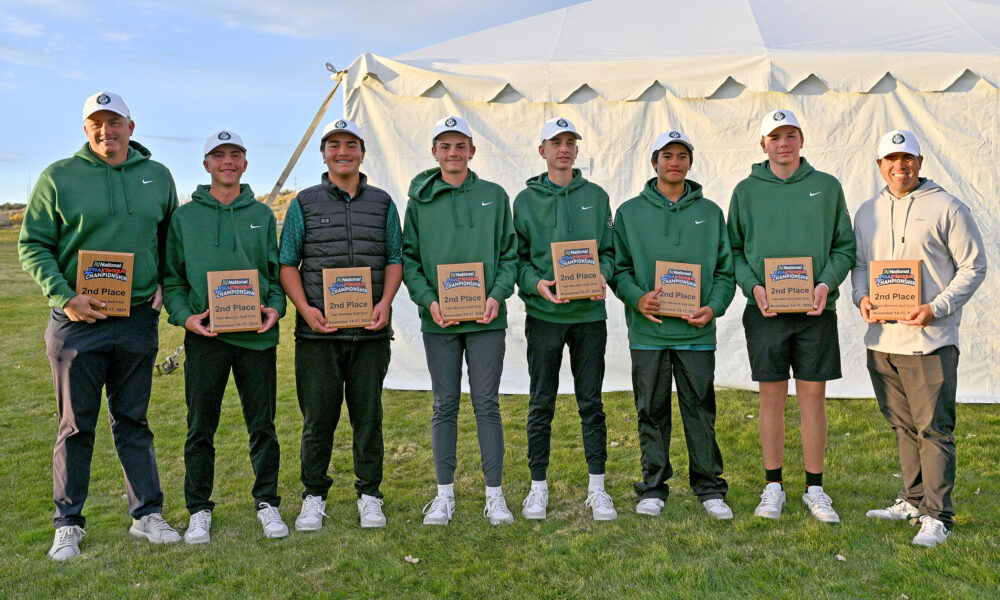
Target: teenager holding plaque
pixel 225 228
pixel 454 217
pixel 109 196
pixel 342 222
pixel 913 362
pixel 787 209
pixel 559 205
pixel 670 220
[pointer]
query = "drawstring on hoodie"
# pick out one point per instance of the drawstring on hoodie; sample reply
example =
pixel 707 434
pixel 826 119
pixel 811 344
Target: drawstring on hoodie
pixel 892 222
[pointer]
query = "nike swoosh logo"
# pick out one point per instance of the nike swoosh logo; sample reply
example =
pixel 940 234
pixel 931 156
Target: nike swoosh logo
pixel 256 226
pixel 586 207
pixel 697 222
pixel 815 193
pixel 150 181
pixel 486 203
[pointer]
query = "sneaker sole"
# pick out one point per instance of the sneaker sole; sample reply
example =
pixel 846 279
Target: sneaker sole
pixel 370 525
pixel 648 513
pixel 308 527
pixel 540 517
pixel 762 515
pixel 435 522
pixel 501 521
pixel 606 517
pixel 193 540
pixel 145 536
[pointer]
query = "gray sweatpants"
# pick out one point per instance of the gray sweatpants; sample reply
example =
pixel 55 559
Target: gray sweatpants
pixel 483 351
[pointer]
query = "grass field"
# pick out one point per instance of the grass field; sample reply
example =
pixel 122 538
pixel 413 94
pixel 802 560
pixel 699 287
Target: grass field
pixel 682 554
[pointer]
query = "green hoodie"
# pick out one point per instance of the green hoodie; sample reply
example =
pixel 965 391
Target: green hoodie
pixel 206 235
pixel 804 215
pixel 649 228
pixel 446 224
pixel 83 203
pixel 544 214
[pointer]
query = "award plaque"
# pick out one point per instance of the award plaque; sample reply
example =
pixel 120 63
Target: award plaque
pixel 576 270
pixel 233 301
pixel 894 288
pixel 347 297
pixel 681 284
pixel 106 276
pixel 789 284
pixel 461 291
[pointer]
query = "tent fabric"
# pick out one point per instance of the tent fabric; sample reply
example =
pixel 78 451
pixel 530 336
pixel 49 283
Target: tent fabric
pixel 734 60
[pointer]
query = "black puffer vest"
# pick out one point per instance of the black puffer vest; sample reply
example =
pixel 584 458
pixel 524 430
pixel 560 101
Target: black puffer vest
pixel 342 233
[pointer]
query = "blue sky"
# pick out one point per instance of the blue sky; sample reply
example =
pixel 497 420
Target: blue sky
pixel 187 68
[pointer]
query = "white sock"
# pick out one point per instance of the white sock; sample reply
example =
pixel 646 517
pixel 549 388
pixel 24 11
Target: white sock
pixel 493 491
pixel 596 483
pixel 447 490
pixel 542 486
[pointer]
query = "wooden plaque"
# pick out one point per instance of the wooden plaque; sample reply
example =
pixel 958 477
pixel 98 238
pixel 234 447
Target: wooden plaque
pixel 347 297
pixel 576 270
pixel 789 284
pixel 461 291
pixel 681 284
pixel 894 288
pixel 106 276
pixel 233 301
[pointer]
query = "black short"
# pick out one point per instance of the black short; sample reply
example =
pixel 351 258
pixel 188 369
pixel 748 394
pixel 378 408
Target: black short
pixel 807 344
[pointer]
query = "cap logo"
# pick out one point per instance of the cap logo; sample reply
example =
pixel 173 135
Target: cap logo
pixel 779 116
pixel 562 123
pixel 898 139
pixel 224 135
pixel 341 124
pixel 104 99
pixel 674 134
pixel 450 122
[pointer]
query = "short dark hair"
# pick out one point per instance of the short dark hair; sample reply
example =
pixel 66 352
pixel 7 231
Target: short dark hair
pixel 322 143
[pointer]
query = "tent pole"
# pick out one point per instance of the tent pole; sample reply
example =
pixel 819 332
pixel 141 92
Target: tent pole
pixel 305 139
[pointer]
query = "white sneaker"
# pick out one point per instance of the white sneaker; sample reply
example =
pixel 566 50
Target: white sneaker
pixel 932 532
pixel 901 510
pixel 66 544
pixel 439 510
pixel 153 528
pixel 717 507
pixel 649 506
pixel 534 506
pixel 601 505
pixel 772 500
pixel 370 511
pixel 311 516
pixel 198 528
pixel 820 505
pixel 496 511
pixel 270 520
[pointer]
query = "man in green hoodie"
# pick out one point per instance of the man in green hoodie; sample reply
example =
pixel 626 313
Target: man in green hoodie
pixel 225 228
pixel 785 209
pixel 561 206
pixel 671 221
pixel 453 216
pixel 108 197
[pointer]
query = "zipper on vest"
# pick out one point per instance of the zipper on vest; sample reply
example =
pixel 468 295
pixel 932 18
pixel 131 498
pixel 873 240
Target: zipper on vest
pixel 350 238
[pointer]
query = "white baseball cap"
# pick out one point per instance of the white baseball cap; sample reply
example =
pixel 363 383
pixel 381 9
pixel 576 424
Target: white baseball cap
pixel 672 137
pixel 451 123
pixel 221 138
pixel 342 126
pixel 776 119
pixel 105 101
pixel 554 127
pixel 898 140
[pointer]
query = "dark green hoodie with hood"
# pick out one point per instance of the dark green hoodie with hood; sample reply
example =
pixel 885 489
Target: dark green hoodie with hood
pixel 649 228
pixel 206 235
pixel 544 214
pixel 804 215
pixel 83 203
pixel 445 224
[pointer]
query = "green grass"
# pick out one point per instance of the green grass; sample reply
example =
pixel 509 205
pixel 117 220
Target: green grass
pixel 683 554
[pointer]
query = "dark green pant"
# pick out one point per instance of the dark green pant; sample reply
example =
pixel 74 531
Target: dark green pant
pixel 694 372
pixel 206 373
pixel 326 373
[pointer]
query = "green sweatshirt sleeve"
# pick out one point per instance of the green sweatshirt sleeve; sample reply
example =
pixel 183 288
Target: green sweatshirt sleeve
pixel 38 241
pixel 503 283
pixel 275 293
pixel 723 282
pixel 393 236
pixel 606 243
pixel 176 289
pixel 161 233
pixel 623 281
pixel 842 248
pixel 745 277
pixel 527 275
pixel 417 284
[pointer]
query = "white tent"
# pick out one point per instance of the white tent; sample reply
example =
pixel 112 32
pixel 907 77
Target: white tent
pixel 626 70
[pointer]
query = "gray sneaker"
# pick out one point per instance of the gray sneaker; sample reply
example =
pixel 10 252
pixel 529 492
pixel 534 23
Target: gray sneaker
pixel 153 528
pixel 270 520
pixel 820 505
pixel 439 510
pixel 717 507
pixel 649 506
pixel 496 511
pixel 535 504
pixel 772 500
pixel 901 510
pixel 66 544
pixel 601 506
pixel 311 516
pixel 932 532
pixel 370 511
pixel 199 527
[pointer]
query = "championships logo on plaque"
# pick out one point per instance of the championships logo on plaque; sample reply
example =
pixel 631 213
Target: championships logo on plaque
pixel 106 276
pixel 461 291
pixel 233 301
pixel 681 283
pixel 576 270
pixel 347 297
pixel 789 284
pixel 894 288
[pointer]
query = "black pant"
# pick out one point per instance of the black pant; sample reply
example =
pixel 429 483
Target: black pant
pixel 586 342
pixel 116 353
pixel 327 372
pixel 206 372
pixel 694 372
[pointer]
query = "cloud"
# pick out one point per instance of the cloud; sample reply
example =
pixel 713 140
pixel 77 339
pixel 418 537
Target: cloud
pixel 115 36
pixel 22 56
pixel 10 156
pixel 170 138
pixel 17 26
